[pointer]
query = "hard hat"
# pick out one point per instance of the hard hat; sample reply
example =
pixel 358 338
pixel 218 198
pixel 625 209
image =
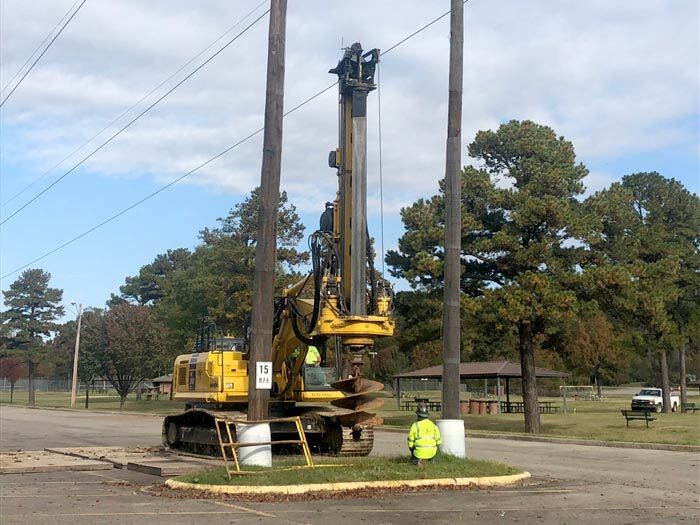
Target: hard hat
pixel 422 411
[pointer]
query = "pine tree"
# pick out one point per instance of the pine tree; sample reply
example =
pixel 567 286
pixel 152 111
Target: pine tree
pixel 32 309
pixel 522 236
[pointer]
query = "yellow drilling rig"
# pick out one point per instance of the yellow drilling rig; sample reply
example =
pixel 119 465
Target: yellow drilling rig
pixel 340 308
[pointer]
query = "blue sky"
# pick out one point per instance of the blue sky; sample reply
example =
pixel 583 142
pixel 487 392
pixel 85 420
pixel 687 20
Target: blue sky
pixel 618 79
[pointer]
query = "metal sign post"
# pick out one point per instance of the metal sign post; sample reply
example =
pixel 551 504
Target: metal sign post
pixel 74 386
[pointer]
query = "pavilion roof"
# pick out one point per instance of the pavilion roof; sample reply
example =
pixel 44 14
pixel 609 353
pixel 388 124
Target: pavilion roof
pixel 482 370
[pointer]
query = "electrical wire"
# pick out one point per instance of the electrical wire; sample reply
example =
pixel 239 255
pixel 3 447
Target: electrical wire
pixel 38 47
pixel 381 171
pixel 426 26
pixel 163 188
pixel 379 110
pixel 205 163
pixel 137 117
pixel 42 53
pixel 127 111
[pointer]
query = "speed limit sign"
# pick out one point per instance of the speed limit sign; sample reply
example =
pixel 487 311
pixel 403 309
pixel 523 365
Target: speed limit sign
pixel 263 375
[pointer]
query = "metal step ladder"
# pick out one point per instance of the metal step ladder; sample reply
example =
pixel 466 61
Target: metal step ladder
pixel 227 442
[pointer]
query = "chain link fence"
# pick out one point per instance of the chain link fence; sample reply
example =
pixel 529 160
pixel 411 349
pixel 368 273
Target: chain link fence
pixel 53 384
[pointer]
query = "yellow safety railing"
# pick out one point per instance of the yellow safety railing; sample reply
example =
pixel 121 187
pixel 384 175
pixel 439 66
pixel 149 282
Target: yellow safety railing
pixel 226 440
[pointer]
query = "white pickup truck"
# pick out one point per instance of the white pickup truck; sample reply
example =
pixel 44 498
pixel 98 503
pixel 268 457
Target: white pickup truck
pixel 652 399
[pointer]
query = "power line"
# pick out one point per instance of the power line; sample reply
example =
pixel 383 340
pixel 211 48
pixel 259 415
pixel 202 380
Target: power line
pixel 76 150
pixel 426 26
pixel 381 169
pixel 163 188
pixel 137 117
pixel 42 53
pixel 203 164
pixel 38 47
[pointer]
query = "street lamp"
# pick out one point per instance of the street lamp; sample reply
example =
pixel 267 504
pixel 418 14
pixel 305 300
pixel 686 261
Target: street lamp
pixel 75 357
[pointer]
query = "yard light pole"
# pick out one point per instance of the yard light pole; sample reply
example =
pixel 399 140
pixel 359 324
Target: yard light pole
pixel 74 387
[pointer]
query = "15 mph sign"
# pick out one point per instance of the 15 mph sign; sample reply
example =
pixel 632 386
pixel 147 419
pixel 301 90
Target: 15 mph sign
pixel 263 375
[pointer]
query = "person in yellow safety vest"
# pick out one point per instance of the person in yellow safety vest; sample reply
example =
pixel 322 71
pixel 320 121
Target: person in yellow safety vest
pixel 423 437
pixel 313 357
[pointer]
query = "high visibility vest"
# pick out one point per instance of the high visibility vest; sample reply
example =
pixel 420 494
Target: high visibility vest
pixel 424 438
pixel 312 356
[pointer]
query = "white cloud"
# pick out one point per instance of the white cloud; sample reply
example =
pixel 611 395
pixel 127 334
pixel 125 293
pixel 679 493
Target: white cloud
pixel 614 77
pixel 596 181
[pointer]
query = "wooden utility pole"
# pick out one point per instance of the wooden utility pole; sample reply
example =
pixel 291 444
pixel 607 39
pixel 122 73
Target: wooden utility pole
pixel 266 248
pixel 453 222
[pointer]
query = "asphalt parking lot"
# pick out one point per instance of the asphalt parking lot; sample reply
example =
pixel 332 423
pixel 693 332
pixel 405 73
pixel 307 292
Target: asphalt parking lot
pixel 570 484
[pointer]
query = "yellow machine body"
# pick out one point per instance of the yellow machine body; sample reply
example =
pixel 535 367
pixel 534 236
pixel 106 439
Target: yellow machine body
pixel 221 377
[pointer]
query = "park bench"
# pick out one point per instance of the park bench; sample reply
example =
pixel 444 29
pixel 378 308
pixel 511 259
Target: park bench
pixel 642 415
pixel 687 407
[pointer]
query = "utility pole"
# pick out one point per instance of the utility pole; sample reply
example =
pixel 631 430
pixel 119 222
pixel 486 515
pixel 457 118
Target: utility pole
pixel 266 249
pixel 453 226
pixel 74 386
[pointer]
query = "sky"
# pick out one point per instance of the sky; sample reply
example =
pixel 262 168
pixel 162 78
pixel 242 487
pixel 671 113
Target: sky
pixel 621 80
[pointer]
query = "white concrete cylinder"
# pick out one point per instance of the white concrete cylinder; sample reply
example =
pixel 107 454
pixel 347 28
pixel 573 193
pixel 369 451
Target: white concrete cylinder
pixel 453 441
pixel 254 455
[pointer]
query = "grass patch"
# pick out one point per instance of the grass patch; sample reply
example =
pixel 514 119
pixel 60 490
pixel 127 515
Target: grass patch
pixel 338 470
pixel 108 402
pixel 594 420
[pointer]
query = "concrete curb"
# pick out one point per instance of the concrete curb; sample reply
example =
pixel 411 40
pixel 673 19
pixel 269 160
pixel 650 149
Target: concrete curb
pixel 574 441
pixel 487 481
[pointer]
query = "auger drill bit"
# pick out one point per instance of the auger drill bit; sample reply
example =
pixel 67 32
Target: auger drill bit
pixel 361 395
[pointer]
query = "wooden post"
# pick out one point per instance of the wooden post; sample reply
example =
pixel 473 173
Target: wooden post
pixel 508 395
pixel 564 395
pixel 684 393
pixel 398 393
pixel 498 390
pixel 453 223
pixel 266 249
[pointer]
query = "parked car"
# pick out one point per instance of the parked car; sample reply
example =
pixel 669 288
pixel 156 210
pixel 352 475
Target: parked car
pixel 652 399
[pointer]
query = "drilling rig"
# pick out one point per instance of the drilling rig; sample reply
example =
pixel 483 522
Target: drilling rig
pixel 341 307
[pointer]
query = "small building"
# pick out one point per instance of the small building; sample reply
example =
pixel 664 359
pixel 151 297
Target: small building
pixel 498 370
pixel 161 385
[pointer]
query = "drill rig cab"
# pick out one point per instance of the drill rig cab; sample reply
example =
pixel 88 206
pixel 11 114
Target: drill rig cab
pixel 341 307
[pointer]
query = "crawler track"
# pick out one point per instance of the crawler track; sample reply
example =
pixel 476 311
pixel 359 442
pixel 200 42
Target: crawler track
pixel 194 432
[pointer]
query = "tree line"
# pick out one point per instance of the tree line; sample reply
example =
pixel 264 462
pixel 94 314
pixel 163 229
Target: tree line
pixel 593 285
pixel 606 286
pixel 155 315
pixel 123 345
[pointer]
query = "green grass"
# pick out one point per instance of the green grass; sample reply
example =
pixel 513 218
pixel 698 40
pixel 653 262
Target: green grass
pixel 595 420
pixel 354 469
pixel 108 402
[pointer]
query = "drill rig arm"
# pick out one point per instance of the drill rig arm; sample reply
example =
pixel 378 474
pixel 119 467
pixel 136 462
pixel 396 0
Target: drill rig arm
pixel 340 301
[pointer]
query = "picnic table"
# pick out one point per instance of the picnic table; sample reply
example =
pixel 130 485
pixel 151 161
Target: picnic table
pixel 518 407
pixel 432 404
pixel 512 407
pixel 548 407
